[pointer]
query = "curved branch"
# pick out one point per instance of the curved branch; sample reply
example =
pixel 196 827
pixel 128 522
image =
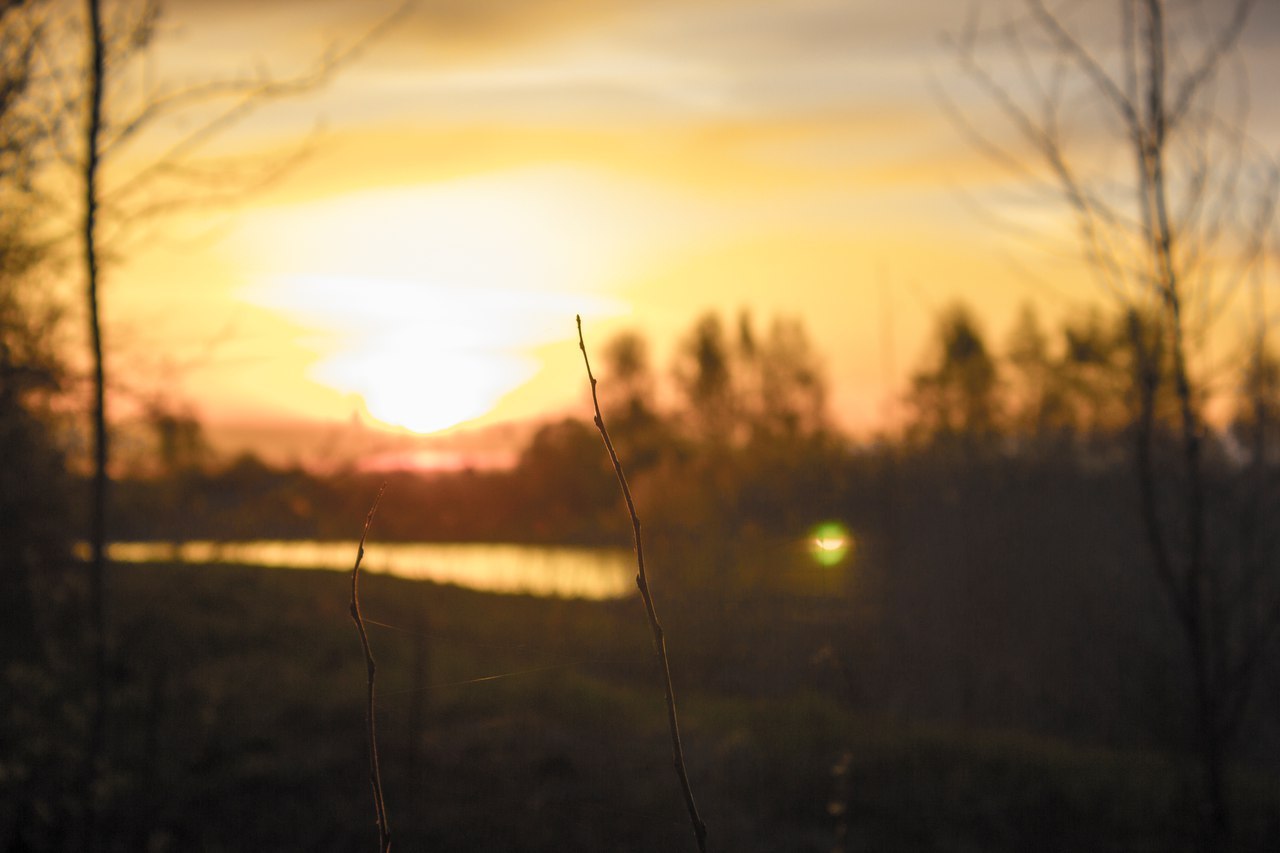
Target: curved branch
pixel 1209 63
pixel 1088 63
pixel 371 668
pixel 642 581
pixel 1094 217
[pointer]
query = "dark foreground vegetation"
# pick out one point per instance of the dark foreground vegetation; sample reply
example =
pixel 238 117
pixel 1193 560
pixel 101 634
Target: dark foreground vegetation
pixel 238 725
pixel 994 666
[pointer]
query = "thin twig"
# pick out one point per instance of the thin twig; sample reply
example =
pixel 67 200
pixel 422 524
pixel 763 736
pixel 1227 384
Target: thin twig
pixel 375 775
pixel 642 581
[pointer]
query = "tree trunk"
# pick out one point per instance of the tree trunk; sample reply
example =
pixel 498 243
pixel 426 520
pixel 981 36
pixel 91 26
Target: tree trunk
pixel 97 731
pixel 1200 591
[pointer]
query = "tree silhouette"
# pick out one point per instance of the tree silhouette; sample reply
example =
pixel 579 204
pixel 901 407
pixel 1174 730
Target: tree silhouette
pixel 31 495
pixel 957 399
pixel 741 388
pixel 631 403
pixel 1036 407
pixel 1173 234
pixel 116 42
pixel 703 372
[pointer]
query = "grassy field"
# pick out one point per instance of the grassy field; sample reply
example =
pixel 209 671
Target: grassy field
pixel 512 723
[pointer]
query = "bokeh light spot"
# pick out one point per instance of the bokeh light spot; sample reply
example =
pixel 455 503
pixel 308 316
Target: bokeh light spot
pixel 830 543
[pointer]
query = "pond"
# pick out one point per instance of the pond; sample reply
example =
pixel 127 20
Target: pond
pixel 549 571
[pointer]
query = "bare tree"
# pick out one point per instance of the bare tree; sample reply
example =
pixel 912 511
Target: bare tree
pixel 1176 235
pixel 98 495
pixel 140 149
pixel 31 373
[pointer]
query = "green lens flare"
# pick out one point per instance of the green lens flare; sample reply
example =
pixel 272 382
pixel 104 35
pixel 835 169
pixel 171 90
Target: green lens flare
pixel 830 543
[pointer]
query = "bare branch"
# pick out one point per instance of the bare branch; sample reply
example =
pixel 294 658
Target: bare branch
pixel 191 143
pixel 1257 233
pixel 1106 86
pixel 52 116
pixel 1147 355
pixel 642 581
pixel 1094 217
pixel 162 105
pixel 371 669
pixel 246 95
pixel 198 191
pixel 1208 66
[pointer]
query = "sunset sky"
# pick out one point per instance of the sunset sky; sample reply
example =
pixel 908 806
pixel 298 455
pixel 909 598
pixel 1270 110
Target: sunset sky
pixel 482 171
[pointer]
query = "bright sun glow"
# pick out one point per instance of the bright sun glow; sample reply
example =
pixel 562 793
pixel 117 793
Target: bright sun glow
pixel 428 302
pixel 422 357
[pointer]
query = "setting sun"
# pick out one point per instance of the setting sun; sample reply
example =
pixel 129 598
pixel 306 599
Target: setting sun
pixel 422 357
pixel 427 302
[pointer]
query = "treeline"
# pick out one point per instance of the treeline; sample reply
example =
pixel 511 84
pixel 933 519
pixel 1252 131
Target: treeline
pixel 1000 573
pixel 734 438
pixel 749 415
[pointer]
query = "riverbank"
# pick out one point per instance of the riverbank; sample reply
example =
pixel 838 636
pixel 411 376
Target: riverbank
pixel 543 570
pixel 524 724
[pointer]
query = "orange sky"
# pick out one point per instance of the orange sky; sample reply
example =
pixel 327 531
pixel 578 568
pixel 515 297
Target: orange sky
pixel 488 169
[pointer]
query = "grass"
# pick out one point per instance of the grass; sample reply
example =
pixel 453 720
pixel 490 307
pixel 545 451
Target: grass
pixel 254 684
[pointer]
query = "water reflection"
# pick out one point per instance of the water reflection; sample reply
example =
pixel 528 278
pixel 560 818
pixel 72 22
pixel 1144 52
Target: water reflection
pixel 559 572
